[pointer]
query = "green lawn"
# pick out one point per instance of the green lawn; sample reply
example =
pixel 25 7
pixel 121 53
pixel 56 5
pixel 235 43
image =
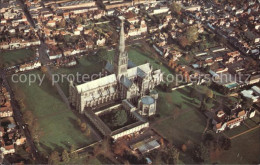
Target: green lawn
pixel 86 65
pixel 180 119
pixel 236 130
pixel 15 57
pixel 245 149
pixel 138 57
pixel 57 123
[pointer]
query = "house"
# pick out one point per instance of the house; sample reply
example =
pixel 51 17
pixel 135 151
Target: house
pixel 252 36
pixel 51 23
pixel 54 54
pixel 30 66
pixel 222 120
pixel 6 111
pixel 159 10
pixel 253 93
pixel 20 141
pixel 101 41
pixel 2 131
pixel 253 79
pixel 77 32
pixel 163 51
pixel 8 149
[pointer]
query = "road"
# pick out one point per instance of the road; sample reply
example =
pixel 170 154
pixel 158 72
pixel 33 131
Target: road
pixel 19 118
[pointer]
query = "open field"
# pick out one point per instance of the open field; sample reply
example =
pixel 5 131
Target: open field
pixel 138 57
pixel 56 122
pixel 86 65
pixel 179 113
pixel 15 57
pixel 245 149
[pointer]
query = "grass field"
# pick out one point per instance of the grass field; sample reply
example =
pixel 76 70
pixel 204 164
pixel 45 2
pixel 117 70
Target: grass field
pixel 15 57
pixel 57 123
pixel 179 113
pixel 138 57
pixel 245 149
pixel 87 65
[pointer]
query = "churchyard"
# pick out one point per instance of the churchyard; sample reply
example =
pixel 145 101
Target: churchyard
pixel 51 114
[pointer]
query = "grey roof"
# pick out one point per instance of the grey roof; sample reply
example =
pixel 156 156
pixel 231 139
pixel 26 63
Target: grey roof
pixel 141 73
pixel 147 100
pixel 133 72
pixel 109 67
pixel 149 146
pixel 126 82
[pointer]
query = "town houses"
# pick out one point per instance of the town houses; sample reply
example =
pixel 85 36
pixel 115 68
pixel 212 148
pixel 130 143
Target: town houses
pixel 10 136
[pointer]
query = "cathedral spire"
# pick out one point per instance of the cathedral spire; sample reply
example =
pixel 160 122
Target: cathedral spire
pixel 122 38
pixel 121 58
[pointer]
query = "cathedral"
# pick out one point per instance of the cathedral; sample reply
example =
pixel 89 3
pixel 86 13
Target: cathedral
pixel 124 81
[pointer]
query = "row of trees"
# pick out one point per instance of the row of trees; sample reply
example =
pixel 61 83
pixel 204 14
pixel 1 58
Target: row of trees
pixel 33 125
pixel 83 127
pixel 65 156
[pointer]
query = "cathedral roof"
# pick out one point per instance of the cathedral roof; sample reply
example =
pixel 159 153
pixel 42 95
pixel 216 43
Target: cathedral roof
pixel 110 68
pixel 148 100
pixel 139 70
pixel 97 83
pixel 126 82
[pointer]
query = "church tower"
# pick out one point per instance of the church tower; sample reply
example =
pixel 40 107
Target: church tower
pixel 121 57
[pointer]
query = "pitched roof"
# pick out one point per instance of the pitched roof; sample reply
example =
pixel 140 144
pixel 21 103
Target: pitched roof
pixel 97 83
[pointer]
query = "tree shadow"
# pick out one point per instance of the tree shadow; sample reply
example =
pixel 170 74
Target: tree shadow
pixel 57 147
pixel 45 148
pixel 74 122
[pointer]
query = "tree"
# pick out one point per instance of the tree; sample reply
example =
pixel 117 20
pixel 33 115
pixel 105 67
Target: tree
pixel 224 143
pixel 83 127
pixel 247 103
pixel 174 155
pixel 192 34
pixel 184 147
pixel 120 118
pixel 28 117
pixel 193 92
pixel 62 23
pixel 73 154
pixel 87 131
pixel 54 158
pixel 102 54
pixel 183 41
pixel 176 8
pixel 209 93
pixel 203 106
pixel 79 122
pixel 200 153
pixel 65 156
pixel 44 69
